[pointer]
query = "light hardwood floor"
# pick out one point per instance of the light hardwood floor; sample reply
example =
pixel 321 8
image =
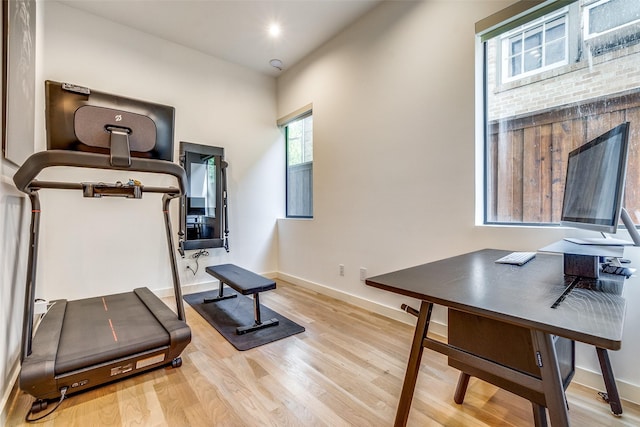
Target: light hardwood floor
pixel 346 369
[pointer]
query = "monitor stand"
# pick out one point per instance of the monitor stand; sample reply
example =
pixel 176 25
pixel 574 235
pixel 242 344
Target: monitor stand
pixel 630 226
pixel 583 260
pixel 605 241
pixel 120 152
pixel 599 241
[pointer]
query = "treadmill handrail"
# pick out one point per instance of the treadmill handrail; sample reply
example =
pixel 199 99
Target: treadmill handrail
pixel 41 160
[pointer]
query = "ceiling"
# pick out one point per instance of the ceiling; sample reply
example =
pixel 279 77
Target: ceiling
pixel 236 30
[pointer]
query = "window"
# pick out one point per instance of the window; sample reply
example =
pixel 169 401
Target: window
pixel 536 47
pixel 609 15
pixel 608 23
pixel 299 141
pixel 545 93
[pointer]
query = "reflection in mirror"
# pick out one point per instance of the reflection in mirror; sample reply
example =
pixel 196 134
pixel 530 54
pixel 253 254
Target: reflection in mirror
pixel 203 211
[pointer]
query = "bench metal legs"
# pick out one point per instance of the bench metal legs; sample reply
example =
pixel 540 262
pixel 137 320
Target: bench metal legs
pixel 258 323
pixel 220 296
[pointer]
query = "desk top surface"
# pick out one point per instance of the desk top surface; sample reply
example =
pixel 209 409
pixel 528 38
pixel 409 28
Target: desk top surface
pixel 593 312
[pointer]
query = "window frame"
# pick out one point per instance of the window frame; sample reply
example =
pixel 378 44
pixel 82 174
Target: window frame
pixel 505 51
pixel 284 124
pixel 496 27
pixel 587 20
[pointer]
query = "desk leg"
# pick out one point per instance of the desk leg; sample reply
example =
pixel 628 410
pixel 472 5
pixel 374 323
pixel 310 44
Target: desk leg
pixel 609 381
pixel 539 415
pixel 551 380
pixel 413 366
pixel 461 388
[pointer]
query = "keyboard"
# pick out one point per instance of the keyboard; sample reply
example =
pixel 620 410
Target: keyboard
pixel 517 258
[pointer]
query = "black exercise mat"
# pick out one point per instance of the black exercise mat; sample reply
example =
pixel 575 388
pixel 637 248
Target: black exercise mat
pixel 226 315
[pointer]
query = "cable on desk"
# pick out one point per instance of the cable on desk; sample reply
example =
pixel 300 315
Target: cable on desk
pixel 566 292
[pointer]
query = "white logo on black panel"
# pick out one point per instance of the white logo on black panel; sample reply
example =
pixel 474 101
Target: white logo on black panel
pixel 118 117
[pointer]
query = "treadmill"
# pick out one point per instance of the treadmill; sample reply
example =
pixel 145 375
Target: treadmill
pixel 85 343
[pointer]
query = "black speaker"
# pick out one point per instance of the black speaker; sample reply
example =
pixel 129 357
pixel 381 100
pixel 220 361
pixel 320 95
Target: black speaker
pixel 90 123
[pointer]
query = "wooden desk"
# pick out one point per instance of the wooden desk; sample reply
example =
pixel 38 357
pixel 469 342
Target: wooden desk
pixel 519 296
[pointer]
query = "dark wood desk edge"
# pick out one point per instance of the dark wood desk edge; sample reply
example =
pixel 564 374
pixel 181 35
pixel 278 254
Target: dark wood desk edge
pixel 518 321
pixel 394 290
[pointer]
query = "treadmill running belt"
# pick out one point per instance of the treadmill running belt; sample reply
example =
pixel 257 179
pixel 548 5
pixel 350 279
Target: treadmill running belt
pixel 102 329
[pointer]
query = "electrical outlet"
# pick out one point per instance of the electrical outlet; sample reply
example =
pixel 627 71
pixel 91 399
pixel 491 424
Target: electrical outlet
pixel 341 269
pixel 363 274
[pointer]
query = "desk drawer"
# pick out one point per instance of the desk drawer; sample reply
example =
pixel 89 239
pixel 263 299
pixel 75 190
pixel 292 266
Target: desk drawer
pixel 506 344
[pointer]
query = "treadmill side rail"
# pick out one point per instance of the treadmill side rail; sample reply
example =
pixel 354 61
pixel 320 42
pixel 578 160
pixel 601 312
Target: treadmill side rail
pixel 38 369
pixel 178 330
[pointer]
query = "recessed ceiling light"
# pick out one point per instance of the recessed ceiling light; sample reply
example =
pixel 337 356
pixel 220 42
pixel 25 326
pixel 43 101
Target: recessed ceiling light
pixel 274 30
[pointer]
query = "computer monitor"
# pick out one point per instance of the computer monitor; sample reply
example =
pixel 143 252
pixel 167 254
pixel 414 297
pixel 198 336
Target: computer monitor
pixel 82 119
pixel 594 186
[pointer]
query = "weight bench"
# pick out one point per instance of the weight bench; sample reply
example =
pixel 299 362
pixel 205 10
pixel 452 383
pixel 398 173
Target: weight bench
pixel 246 283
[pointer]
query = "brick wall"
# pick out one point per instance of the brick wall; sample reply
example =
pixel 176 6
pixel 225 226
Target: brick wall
pixel 610 73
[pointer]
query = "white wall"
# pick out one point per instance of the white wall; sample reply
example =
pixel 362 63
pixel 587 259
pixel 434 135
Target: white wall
pixel 13 235
pixel 97 246
pixel 90 247
pixel 394 159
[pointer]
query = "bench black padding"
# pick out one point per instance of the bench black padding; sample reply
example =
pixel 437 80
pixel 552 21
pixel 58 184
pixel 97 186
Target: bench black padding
pixel 246 283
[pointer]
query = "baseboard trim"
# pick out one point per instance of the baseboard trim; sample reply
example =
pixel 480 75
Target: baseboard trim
pixel 627 391
pixel 375 307
pixel 588 378
pixel 186 289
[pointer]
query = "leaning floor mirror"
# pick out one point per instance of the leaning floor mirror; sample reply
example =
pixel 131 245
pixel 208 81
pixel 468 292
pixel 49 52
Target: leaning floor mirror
pixel 203 210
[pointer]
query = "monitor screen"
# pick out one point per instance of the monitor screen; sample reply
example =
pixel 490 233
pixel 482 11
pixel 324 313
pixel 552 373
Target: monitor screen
pixel 594 186
pixel 82 119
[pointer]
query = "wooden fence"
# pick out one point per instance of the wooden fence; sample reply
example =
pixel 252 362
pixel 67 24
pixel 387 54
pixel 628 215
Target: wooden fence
pixel 527 157
pixel 300 190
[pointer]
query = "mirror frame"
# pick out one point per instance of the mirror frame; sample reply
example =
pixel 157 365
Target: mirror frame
pixel 219 239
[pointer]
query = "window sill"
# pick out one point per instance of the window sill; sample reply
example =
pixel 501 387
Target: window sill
pixel 527 226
